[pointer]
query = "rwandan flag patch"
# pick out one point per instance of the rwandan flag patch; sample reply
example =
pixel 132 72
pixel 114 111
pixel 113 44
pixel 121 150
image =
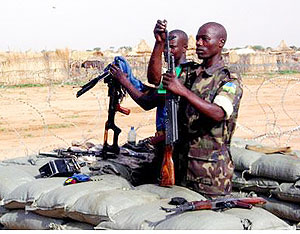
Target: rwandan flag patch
pixel 229 87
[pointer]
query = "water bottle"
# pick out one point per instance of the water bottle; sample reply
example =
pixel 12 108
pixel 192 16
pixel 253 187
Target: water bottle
pixel 131 136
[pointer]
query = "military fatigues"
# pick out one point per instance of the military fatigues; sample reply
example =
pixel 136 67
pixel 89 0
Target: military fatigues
pixel 202 158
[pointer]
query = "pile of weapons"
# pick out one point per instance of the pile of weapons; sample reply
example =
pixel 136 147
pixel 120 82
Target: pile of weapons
pixel 271 172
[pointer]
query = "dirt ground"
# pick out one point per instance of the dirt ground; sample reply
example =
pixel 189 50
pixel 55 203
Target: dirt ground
pixel 34 119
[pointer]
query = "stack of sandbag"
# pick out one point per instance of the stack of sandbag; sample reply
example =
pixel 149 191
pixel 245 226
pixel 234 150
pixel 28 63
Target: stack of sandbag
pixel 274 175
pixel 31 202
pixel 108 201
pixel 19 187
pixel 151 216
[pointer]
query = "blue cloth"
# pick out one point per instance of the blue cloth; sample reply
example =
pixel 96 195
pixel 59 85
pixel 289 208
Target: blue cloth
pixel 125 67
pixel 161 113
pixel 77 178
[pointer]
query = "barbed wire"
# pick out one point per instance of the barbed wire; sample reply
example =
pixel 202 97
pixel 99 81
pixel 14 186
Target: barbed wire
pixel 86 121
pixel 276 131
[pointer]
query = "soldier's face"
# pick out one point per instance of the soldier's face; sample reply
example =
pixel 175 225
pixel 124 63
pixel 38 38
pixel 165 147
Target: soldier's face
pixel 207 42
pixel 176 47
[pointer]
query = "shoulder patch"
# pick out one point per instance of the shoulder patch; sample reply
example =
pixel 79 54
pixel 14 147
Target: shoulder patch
pixel 229 87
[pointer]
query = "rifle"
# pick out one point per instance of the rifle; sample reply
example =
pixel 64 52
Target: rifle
pixel 93 82
pixel 70 153
pixel 116 94
pixel 217 204
pixel 76 153
pixel 167 173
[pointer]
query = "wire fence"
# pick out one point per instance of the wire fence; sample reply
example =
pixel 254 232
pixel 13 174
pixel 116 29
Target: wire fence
pixel 40 110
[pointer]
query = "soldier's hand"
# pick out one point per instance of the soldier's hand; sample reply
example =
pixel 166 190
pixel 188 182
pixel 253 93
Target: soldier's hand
pixel 117 73
pixel 171 83
pixel 159 30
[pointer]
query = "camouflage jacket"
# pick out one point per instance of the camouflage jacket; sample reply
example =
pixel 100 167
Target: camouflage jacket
pixel 209 167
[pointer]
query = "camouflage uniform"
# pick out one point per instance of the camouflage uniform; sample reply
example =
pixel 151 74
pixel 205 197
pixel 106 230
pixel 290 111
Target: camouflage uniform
pixel 202 157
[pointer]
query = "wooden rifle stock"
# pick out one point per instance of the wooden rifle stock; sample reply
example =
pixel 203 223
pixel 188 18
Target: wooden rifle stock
pixel 123 110
pixel 167 170
pixel 222 203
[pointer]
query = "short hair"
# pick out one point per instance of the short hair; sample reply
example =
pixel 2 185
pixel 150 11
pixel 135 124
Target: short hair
pixel 182 35
pixel 219 27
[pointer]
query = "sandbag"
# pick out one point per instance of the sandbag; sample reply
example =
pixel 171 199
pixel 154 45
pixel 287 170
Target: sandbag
pixel 243 158
pixel 284 210
pixel 296 153
pixel 26 160
pixel 170 192
pixel 282 167
pixel 255 184
pixel 26 193
pixel 142 217
pixel 32 163
pixel 259 219
pixel 3 210
pixel 288 192
pixel 31 160
pixel 11 177
pixel 55 202
pixel 71 226
pixel 19 220
pixel 242 142
pixel 151 216
pixel 201 220
pixel 96 207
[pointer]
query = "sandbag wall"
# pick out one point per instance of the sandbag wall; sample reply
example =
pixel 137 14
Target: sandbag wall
pixel 273 176
pixel 107 202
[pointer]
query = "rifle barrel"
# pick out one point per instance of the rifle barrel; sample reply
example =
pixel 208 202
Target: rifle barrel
pixel 91 83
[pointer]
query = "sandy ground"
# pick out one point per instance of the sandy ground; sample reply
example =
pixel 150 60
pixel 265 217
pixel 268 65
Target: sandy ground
pixel 43 118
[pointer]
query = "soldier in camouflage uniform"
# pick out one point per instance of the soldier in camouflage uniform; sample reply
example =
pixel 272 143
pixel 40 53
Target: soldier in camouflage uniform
pixel 209 103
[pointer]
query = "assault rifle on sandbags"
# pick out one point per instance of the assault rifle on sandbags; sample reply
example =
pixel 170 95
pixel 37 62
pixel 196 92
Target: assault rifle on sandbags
pixel 217 204
pixel 116 94
pixel 167 175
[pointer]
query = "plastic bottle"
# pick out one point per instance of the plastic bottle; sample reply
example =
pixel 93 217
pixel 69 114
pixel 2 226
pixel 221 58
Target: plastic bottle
pixel 131 136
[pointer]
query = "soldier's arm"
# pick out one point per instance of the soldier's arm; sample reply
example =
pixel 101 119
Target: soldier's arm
pixel 222 106
pixel 229 96
pixel 155 62
pixel 147 100
pixel 211 110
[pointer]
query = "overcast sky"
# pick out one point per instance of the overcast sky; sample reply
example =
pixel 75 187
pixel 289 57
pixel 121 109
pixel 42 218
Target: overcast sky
pixel 86 24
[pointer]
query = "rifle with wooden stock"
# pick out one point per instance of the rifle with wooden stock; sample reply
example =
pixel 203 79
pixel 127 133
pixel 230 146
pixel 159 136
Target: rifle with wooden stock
pixel 116 94
pixel 167 174
pixel 217 204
